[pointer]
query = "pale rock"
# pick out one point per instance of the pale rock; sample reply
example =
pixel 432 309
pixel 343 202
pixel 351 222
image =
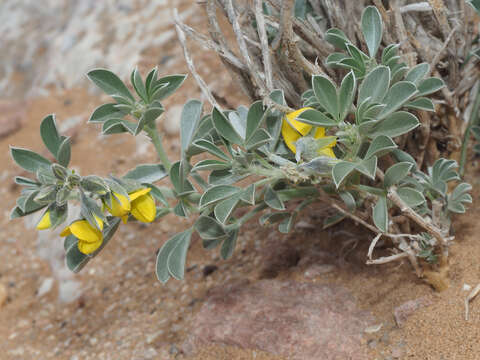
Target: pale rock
pixel 171 120
pixel 3 295
pixel 45 287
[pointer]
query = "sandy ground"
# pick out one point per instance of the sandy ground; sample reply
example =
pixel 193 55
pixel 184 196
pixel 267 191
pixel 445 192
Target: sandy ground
pixel 124 313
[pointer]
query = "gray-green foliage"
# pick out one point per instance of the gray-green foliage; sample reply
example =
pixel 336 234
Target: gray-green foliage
pixel 248 164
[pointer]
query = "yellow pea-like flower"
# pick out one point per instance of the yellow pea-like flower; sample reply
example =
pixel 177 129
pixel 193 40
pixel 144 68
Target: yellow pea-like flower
pixel 143 205
pixel 120 205
pixel 292 130
pixel 45 222
pixel 89 238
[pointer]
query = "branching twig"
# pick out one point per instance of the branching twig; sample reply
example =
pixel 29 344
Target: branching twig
pixel 439 54
pixel 243 47
pixel 190 64
pixel 262 33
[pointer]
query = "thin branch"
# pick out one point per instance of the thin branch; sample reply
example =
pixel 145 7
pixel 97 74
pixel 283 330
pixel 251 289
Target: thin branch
pixel 189 61
pixel 387 259
pixel 439 54
pixel 209 44
pixel 262 33
pixel 243 47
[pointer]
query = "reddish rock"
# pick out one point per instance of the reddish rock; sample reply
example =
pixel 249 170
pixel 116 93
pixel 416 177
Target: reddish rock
pixel 304 321
pixel 11 117
pixel 402 312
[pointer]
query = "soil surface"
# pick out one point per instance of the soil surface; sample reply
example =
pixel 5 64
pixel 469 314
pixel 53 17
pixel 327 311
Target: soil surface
pixel 123 312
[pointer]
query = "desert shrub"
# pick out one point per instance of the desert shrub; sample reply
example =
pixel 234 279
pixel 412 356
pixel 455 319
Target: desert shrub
pixel 340 149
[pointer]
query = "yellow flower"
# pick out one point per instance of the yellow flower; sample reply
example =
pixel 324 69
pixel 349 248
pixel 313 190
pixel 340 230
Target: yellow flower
pixel 143 205
pixel 45 222
pixel 120 205
pixel 292 130
pixel 89 238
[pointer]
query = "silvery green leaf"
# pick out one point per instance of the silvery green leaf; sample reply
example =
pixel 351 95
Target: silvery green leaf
pixel 189 122
pixel 254 118
pixel 397 96
pixel 64 152
pixel 368 167
pixel 181 187
pixel 109 83
pixel 389 52
pixel 89 208
pixel 374 85
pixel 69 241
pixel 46 176
pixel 380 146
pixel 116 187
pixel 30 204
pixel 411 196
pixel 148 118
pixel 217 193
pixel 396 124
pixel 380 214
pixel 357 55
pixel 337 38
pixel 396 173
pixel 341 170
pixel 298 193
pixel 58 215
pixel 147 173
pixel 286 225
pixel 228 245
pixel 259 138
pixel 118 126
pixel 278 96
pixel 272 218
pixel 210 165
pixel 372 29
pixel 177 257
pixel 422 103
pixel 248 195
pixel 417 73
pixel 59 171
pixel 62 196
pixel 167 85
pixel 372 190
pixel 211 148
pixel 334 58
pixel 94 184
pixel 346 95
pixel 400 155
pixel 224 209
pixel 225 128
pixel 349 200
pixel 150 80
pixel 224 177
pixel 273 200
pixel 138 85
pixel 429 86
pixel 49 134
pixel 475 4
pixel 398 72
pixel 46 194
pixel 29 160
pixel 326 94
pixel 76 260
pixel 319 165
pixel 180 209
pixel 316 118
pixel 23 181
pixel 209 228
